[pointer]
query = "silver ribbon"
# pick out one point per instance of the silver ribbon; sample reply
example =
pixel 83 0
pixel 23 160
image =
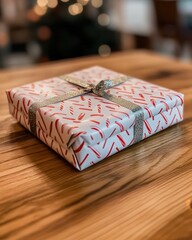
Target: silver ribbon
pixel 99 90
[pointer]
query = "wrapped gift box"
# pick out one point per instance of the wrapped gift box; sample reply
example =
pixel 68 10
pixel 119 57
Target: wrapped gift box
pixel 89 128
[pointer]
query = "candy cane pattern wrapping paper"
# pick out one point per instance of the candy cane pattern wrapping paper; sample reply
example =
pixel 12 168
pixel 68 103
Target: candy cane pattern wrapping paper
pixel 88 128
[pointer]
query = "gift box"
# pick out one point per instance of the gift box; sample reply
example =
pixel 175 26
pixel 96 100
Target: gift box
pixel 89 115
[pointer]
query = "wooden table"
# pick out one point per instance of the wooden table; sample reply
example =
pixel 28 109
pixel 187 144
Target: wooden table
pixel 144 192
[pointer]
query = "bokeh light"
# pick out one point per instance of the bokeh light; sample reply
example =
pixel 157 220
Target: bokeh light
pixel 104 50
pixel 42 3
pixel 97 3
pixel 40 10
pixel 44 33
pixel 103 19
pixel 75 9
pixel 83 2
pixel 52 3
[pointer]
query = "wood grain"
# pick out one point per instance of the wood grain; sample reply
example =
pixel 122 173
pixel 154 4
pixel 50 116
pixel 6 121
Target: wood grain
pixel 144 192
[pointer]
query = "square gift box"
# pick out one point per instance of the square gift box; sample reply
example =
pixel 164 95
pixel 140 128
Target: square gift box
pixel 87 128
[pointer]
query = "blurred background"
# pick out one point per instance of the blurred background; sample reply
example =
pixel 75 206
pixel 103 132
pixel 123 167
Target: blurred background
pixel 34 31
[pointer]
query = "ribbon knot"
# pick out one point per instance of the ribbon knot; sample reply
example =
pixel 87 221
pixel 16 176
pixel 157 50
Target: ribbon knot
pixel 103 85
pixel 99 88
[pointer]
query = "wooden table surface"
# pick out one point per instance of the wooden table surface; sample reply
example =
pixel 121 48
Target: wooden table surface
pixel 143 192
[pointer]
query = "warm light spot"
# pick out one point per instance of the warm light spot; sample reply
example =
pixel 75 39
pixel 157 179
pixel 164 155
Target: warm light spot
pixel 103 19
pixel 75 9
pixel 4 39
pixel 42 3
pixel 40 10
pixel 83 2
pixel 97 3
pixel 32 16
pixel 44 33
pixel 52 3
pixel 189 203
pixel 104 50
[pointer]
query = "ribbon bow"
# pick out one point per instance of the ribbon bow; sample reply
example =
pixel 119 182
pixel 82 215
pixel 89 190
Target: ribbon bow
pixel 99 90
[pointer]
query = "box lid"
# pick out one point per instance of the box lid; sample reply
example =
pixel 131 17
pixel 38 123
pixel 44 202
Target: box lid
pixel 91 117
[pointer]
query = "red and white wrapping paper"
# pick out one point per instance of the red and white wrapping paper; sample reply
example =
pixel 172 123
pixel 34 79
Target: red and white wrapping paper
pixel 87 129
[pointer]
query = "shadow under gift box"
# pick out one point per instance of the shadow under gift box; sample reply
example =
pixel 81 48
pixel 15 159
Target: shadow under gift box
pixel 86 129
